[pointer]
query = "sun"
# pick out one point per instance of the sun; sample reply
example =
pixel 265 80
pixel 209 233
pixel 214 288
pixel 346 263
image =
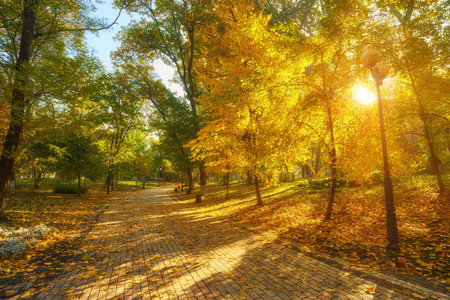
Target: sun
pixel 364 96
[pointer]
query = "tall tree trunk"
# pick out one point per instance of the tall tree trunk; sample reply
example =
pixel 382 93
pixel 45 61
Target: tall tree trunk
pixel 108 181
pixel 36 179
pixel 190 181
pixel 228 184
pixel 202 180
pixel 143 183
pixel 433 158
pixel 333 166
pixel 317 163
pixel 12 181
pixel 18 102
pixel 258 192
pixel 111 178
pixel 79 182
pixel 181 181
pixel 249 178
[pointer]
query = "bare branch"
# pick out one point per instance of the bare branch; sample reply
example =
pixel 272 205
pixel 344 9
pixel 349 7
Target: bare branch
pixel 403 18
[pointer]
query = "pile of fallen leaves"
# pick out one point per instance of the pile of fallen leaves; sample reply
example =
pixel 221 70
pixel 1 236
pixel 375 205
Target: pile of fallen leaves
pixel 29 211
pixel 357 230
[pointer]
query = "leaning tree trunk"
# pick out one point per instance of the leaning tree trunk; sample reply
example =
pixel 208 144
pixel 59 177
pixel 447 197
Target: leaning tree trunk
pixel 333 166
pixel 258 192
pixel 18 102
pixel 423 118
pixel 433 158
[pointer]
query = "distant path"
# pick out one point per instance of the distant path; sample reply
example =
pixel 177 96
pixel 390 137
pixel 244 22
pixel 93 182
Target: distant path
pixel 148 246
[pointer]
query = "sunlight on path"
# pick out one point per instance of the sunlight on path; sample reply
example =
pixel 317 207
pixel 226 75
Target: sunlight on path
pixel 146 246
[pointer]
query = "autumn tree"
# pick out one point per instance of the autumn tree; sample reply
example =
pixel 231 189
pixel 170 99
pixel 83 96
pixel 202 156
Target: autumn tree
pixel 168 115
pixel 173 125
pixel 418 49
pixel 249 73
pixel 38 159
pixel 332 29
pixel 30 31
pixel 169 29
pixel 119 115
pixel 79 156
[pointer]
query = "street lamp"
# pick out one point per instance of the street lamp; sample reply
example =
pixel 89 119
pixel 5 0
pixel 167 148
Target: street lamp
pixel 379 71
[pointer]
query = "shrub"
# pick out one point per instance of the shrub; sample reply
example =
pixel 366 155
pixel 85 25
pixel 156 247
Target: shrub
pixel 68 189
pixel 325 183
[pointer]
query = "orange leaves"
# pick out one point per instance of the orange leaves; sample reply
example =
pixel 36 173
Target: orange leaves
pixel 356 232
pixel 249 98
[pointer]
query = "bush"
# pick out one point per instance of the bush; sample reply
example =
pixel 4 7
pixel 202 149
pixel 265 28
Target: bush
pixel 69 189
pixel 325 183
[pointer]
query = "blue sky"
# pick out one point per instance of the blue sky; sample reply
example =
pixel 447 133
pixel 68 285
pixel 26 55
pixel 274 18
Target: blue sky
pixel 103 43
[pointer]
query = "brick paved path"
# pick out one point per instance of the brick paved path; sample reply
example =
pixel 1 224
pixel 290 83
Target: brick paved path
pixel 148 246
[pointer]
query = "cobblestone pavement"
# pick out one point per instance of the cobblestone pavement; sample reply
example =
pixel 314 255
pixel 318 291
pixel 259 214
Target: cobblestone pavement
pixel 147 246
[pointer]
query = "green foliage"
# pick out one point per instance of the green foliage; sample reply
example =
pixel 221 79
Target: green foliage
pixel 69 189
pixel 319 184
pixel 80 156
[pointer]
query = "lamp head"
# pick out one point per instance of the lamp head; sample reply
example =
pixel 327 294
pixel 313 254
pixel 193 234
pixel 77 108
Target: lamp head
pixel 369 58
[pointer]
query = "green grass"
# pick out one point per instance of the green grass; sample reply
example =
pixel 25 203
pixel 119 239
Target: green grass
pixel 49 184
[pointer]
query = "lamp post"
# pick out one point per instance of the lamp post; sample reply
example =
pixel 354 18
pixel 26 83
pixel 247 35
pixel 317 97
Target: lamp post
pixel 379 71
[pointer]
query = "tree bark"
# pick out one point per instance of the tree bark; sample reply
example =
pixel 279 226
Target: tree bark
pixel 317 162
pixel 112 178
pixel 108 180
pixel 79 182
pixel 258 192
pixel 426 131
pixel 181 181
pixel 433 158
pixel 202 180
pixel 249 178
pixel 190 181
pixel 333 166
pixel 37 180
pixel 228 184
pixel 19 102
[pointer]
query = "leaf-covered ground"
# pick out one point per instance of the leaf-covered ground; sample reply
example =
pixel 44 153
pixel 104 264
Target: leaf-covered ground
pixel 68 213
pixel 356 232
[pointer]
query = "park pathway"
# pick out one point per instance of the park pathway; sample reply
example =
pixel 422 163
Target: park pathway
pixel 151 246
